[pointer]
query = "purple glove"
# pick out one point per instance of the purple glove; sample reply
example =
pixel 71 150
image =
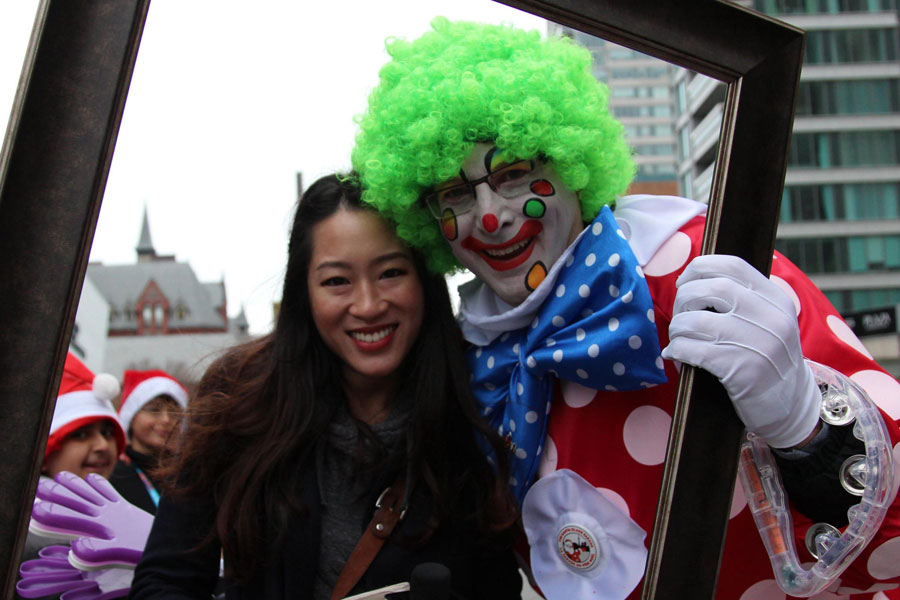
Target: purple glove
pixel 51 574
pixel 110 531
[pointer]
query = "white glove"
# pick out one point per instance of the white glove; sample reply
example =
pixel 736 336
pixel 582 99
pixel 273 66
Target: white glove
pixel 750 341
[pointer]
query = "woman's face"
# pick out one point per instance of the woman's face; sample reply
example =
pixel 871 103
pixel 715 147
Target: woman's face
pixel 365 294
pixel 151 426
pixel 88 449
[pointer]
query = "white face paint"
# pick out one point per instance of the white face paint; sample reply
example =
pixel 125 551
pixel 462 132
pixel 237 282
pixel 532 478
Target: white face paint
pixel 511 242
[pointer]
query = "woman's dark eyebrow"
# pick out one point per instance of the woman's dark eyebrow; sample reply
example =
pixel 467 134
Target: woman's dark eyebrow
pixel 339 264
pixel 391 256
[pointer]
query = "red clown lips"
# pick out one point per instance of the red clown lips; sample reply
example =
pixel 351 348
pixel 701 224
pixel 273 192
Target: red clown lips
pixel 510 254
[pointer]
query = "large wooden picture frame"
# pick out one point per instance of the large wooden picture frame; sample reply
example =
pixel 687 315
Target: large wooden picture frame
pixel 58 148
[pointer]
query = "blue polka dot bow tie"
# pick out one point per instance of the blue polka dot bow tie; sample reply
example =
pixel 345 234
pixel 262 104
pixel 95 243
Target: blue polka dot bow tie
pixel 596 328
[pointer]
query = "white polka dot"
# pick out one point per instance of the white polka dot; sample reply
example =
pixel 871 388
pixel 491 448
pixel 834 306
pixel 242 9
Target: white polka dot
pixel 490 362
pixel 619 368
pixel 513 481
pixel 610 388
pixel 826 595
pixel 576 395
pixel 659 363
pixel 558 356
pixel 597 228
pixel 550 342
pixel 549 405
pixel 635 342
pixel 670 257
pixel 478 353
pixel 614 260
pixel 560 291
pixel 621 234
pixel 515 349
pixel 614 291
pixel 845 334
pixel 490 386
pixel 584 291
pixel 581 373
pixel 558 321
pixel 738 501
pixel 579 334
pixel 646 434
pixel 616 499
pixel 875 587
pixel 488 410
pixel 521 454
pixel 639 271
pixel 549 457
pixel 884 562
pixel 787 289
pixel 651 315
pixel 512 425
pixel 613 324
pixel 766 589
pixel 883 389
pixel 531 417
pixel 570 260
pixel 531 362
pixel 534 323
pixel 586 313
pixel 593 350
pixel 590 259
pixel 628 297
pixel 520 389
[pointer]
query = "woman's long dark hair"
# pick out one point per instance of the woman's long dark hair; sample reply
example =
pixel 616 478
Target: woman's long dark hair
pixel 260 409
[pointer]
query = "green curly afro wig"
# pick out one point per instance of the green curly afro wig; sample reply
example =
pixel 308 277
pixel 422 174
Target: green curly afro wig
pixel 463 83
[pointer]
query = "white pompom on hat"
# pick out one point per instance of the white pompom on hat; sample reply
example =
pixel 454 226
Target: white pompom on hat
pixel 83 398
pixel 140 387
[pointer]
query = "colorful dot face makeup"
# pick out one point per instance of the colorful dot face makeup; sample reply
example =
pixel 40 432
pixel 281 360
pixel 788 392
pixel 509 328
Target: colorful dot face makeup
pixel 521 220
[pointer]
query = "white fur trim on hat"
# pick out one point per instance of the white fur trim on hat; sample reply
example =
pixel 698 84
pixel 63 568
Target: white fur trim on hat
pixel 146 391
pixel 78 405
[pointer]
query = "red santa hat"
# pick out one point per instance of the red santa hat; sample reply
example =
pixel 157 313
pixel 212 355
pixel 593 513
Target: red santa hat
pixel 140 387
pixel 83 398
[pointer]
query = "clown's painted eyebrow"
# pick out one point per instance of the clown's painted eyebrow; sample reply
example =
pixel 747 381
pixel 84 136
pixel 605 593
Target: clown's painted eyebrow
pixel 489 160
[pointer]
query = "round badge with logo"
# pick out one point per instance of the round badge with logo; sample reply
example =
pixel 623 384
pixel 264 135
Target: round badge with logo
pixel 577 546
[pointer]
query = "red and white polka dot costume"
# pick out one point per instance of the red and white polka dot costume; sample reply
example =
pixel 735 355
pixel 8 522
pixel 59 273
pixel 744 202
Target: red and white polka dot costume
pixel 617 440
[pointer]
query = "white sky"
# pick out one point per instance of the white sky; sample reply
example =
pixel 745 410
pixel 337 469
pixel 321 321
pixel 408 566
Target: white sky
pixel 226 105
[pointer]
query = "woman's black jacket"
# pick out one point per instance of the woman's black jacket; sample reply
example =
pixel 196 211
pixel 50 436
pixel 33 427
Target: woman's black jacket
pixel 169 570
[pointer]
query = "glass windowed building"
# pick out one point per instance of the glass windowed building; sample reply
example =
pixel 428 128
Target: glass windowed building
pixel 840 212
pixel 640 96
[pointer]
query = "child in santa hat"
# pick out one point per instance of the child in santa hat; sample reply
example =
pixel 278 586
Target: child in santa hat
pixel 152 405
pixel 85 433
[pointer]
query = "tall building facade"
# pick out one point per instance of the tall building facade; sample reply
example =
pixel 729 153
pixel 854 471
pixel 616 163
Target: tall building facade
pixel 840 213
pixel 640 96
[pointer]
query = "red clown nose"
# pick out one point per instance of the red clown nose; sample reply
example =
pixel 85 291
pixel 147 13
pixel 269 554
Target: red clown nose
pixel 489 222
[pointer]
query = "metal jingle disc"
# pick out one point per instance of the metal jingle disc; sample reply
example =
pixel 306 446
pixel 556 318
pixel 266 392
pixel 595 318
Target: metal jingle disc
pixel 818 536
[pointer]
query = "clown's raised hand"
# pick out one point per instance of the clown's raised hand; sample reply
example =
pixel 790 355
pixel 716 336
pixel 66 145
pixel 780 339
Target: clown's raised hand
pixel 107 530
pixel 732 321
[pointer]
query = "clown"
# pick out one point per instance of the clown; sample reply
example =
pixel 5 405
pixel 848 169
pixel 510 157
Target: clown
pixel 493 149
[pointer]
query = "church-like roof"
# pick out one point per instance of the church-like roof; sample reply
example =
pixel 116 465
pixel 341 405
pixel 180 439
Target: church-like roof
pixel 190 303
pixel 145 244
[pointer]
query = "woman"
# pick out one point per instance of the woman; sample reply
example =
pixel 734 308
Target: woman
pixel 151 408
pixel 292 438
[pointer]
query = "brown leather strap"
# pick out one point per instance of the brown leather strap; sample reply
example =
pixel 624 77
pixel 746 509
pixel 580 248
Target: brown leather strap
pixel 388 512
